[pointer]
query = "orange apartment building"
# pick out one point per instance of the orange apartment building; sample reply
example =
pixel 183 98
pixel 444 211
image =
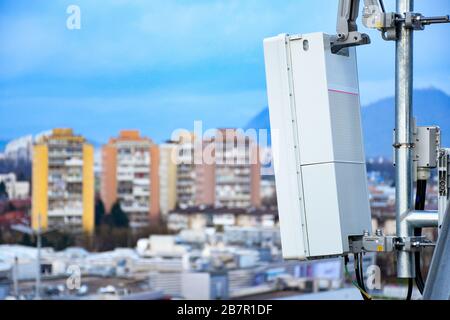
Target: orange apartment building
pixel 130 175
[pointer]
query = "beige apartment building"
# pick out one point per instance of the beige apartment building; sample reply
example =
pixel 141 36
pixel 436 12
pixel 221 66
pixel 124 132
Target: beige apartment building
pixel 167 177
pixel 230 179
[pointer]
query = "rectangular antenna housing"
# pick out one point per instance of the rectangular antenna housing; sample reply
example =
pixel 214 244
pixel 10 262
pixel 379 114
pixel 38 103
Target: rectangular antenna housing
pixel 317 145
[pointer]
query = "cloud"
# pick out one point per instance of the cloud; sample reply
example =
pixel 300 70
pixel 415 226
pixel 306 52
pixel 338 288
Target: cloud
pixel 120 36
pixel 160 64
pixel 156 114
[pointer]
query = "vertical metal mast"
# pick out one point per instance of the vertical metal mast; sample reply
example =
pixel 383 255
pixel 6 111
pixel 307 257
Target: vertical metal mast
pixel 399 26
pixel 403 136
pixel 38 271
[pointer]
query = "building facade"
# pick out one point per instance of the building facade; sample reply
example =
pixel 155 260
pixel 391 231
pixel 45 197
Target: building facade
pixel 195 177
pixel 223 172
pixel 63 182
pixel 237 170
pixel 167 177
pixel 15 189
pixel 186 172
pixel 130 175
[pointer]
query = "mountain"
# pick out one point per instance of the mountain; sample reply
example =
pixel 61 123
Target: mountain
pixel 261 121
pixel 431 107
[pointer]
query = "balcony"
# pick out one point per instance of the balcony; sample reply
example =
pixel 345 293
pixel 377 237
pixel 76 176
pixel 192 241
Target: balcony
pixel 64 212
pixel 74 179
pixel 233 180
pixel 56 162
pixel 133 161
pixel 74 163
pixel 232 196
pixel 142 169
pixel 55 178
pixel 134 208
pixel 122 176
pixel 65 154
pixel 57 194
pixel 141 182
pixel 185 183
pixel 140 192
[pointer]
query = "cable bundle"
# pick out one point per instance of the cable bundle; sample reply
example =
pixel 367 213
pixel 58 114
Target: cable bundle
pixel 359 283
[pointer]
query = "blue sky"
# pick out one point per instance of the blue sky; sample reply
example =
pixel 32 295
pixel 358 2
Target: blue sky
pixel 160 65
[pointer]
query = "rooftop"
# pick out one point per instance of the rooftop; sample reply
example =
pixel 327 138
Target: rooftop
pixel 130 135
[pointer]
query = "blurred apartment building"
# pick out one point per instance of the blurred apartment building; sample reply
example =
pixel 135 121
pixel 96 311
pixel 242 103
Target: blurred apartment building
pixel 181 180
pixel 187 175
pixel 237 170
pixel 222 171
pixel 15 189
pixel 195 177
pixel 130 175
pixel 167 177
pixel 218 181
pixel 63 182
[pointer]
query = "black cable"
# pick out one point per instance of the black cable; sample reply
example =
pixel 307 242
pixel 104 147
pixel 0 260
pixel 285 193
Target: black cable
pixel 346 260
pixel 361 270
pixel 410 289
pixel 364 294
pixel 421 190
pixel 417 261
pixel 357 273
pixel 358 276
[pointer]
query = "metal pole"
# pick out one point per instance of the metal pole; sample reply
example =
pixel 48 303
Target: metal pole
pixel 16 277
pixel 403 137
pixel 38 271
pixel 422 219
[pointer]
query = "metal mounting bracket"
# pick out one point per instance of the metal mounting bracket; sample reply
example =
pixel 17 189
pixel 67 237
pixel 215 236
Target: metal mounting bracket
pixel 347 28
pixel 379 242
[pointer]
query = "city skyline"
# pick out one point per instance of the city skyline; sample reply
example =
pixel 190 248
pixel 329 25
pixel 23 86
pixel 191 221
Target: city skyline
pixel 430 105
